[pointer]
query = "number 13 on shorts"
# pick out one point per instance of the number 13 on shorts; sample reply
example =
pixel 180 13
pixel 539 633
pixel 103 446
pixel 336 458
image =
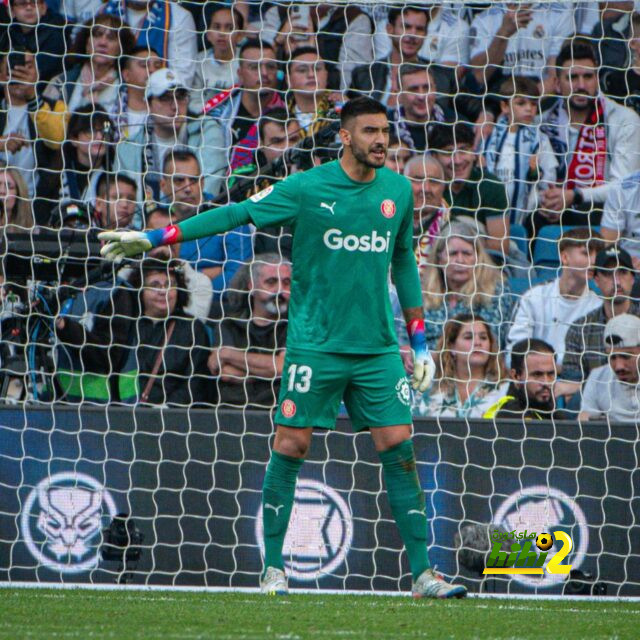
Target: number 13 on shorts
pixel 299 378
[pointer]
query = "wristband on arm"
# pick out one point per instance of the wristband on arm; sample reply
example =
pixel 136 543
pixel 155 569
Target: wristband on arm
pixel 167 235
pixel 417 336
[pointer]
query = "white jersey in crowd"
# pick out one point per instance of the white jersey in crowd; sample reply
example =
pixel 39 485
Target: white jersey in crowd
pixel 211 77
pixel 603 393
pixel 545 314
pixel 529 49
pixel 622 213
pixel 447 40
pixel 183 47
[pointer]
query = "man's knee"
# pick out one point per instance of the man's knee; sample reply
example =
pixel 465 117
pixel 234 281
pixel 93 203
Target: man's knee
pixel 292 442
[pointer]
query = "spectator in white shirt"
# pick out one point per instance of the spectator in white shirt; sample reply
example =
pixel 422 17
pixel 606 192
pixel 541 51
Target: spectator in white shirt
pixel 518 38
pixel 546 311
pixel 135 70
pixel 165 27
pixel 597 141
pixel 621 219
pixel 612 392
pixel 217 67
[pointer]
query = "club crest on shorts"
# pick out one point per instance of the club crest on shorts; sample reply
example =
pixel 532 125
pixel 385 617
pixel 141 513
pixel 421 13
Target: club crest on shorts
pixel 288 408
pixel 388 208
pixel 403 391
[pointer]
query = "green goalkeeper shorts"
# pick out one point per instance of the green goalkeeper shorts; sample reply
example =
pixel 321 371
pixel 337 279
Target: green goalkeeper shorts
pixel 375 390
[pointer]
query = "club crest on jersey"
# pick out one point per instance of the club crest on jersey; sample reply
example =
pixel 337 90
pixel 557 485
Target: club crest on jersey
pixel 288 408
pixel 388 208
pixel 261 195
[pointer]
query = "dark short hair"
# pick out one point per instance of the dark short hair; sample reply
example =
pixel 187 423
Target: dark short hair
pixel 519 86
pixel 179 155
pixel 253 43
pixel 219 6
pixel 360 106
pixel 580 236
pixel 409 68
pixel 111 178
pixel 124 60
pixel 395 13
pixel 446 135
pixel 303 51
pixel 577 49
pixel 88 118
pixel 523 348
pixel 279 116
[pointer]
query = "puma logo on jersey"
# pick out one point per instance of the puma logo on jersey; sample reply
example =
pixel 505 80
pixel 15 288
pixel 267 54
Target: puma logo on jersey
pixel 276 509
pixel 324 205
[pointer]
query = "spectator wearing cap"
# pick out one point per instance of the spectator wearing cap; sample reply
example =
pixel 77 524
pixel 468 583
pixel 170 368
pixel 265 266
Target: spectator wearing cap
pixel 168 125
pixel 35 27
pixel 219 256
pixel 612 391
pixel 531 393
pixel 164 27
pixel 547 311
pixel 73 215
pixel 585 348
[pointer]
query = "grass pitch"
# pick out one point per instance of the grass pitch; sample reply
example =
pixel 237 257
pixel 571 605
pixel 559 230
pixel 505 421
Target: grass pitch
pixel 51 614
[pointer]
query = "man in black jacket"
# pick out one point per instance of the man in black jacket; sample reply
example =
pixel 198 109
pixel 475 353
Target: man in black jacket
pixel 252 334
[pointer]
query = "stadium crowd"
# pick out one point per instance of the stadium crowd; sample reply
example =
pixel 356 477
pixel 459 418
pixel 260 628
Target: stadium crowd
pixel 517 124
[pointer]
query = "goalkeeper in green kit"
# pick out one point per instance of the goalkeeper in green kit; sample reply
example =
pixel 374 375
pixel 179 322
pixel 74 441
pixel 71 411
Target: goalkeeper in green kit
pixel 352 220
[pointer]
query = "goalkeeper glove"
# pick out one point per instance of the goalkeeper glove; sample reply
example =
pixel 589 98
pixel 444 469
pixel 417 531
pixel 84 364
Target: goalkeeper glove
pixel 127 244
pixel 424 368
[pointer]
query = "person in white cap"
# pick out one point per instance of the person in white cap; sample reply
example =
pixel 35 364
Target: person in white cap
pixel 612 391
pixel 169 125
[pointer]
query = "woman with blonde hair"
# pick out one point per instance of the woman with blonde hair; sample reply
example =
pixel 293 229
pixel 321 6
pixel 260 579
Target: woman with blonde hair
pixel 469 371
pixel 460 277
pixel 15 204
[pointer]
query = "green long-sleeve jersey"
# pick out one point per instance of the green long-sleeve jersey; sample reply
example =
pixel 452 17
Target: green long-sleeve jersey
pixel 346 236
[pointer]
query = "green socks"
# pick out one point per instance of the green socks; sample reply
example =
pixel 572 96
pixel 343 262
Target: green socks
pixel 278 491
pixel 407 502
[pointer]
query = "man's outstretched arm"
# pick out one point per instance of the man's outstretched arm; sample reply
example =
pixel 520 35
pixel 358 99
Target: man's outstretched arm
pixel 123 244
pixel 278 204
